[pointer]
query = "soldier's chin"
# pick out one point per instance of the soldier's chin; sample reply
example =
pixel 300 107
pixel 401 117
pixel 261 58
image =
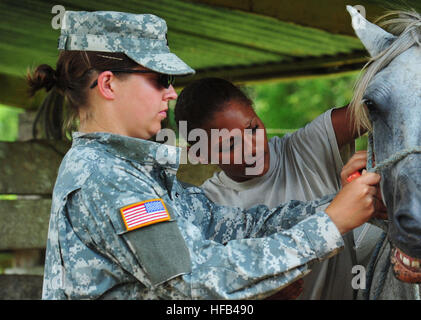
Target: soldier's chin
pixel 405 268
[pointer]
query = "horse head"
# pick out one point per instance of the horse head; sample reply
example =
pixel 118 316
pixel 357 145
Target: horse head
pixel 387 102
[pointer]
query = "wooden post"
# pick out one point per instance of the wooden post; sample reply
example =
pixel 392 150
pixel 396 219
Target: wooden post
pixel 27 261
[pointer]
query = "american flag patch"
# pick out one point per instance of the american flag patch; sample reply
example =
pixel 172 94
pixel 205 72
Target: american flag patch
pixel 144 213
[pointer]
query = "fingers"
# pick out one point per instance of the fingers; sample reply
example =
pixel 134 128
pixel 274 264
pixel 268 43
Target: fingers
pixel 355 203
pixel 372 191
pixel 373 195
pixel 358 155
pixel 357 162
pixel 369 178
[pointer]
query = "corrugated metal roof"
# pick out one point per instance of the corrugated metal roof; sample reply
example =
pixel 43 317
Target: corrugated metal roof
pixel 213 40
pixel 203 36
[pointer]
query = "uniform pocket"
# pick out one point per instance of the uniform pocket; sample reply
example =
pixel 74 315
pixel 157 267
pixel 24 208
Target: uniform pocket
pixel 161 251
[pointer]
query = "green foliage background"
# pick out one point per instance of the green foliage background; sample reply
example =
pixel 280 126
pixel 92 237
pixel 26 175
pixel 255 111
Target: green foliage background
pixel 9 123
pixel 291 105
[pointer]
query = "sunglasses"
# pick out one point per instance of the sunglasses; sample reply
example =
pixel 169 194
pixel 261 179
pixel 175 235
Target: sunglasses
pixel 165 80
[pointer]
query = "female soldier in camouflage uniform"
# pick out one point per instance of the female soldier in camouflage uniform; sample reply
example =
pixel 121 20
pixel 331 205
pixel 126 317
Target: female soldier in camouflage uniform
pixel 121 224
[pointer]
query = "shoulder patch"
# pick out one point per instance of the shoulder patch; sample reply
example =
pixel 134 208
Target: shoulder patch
pixel 144 213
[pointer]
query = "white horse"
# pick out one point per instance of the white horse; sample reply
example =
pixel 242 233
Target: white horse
pixel 387 102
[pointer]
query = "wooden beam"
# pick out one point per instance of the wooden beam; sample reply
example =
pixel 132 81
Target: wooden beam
pixel 297 69
pixel 12 89
pixel 30 167
pixel 24 224
pixel 20 287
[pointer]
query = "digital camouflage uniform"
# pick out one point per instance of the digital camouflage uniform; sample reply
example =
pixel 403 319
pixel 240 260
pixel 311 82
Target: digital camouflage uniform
pixel 201 250
pixel 142 37
pixel 205 251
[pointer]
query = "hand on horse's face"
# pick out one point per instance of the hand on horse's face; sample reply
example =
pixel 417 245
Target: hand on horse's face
pixel 355 203
pixel 356 163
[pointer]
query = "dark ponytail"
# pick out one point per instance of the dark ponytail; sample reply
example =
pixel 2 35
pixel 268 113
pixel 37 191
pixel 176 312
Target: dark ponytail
pixel 67 88
pixel 43 77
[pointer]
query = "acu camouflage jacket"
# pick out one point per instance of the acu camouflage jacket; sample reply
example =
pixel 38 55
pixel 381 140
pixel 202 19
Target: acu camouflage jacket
pixel 204 251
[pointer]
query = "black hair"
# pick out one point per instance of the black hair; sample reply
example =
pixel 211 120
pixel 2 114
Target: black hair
pixel 200 100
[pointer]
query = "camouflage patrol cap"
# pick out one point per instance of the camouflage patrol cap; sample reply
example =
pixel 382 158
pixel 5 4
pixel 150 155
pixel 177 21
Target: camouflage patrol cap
pixel 142 37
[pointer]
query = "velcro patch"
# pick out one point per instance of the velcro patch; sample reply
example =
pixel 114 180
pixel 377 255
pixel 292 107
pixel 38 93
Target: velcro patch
pixel 144 213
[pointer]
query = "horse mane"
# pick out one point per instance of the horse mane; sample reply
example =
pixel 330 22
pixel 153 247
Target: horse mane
pixel 406 26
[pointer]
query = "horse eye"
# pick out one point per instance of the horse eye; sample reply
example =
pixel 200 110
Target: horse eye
pixel 370 104
pixel 372 108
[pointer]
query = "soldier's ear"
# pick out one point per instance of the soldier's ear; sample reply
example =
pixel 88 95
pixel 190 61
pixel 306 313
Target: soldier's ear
pixel 105 83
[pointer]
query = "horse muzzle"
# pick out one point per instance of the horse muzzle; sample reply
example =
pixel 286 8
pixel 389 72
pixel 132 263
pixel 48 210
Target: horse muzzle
pixel 405 268
pixel 402 192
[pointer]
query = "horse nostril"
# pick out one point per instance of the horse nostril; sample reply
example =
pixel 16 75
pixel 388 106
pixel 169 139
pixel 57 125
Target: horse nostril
pixel 406 222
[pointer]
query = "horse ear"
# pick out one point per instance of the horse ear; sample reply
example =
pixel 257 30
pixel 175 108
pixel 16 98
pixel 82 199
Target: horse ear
pixel 374 38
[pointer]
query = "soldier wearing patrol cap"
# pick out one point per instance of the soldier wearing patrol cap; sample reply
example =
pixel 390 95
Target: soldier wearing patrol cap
pixel 122 226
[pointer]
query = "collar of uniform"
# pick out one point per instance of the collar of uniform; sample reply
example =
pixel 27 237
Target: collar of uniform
pixel 132 149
